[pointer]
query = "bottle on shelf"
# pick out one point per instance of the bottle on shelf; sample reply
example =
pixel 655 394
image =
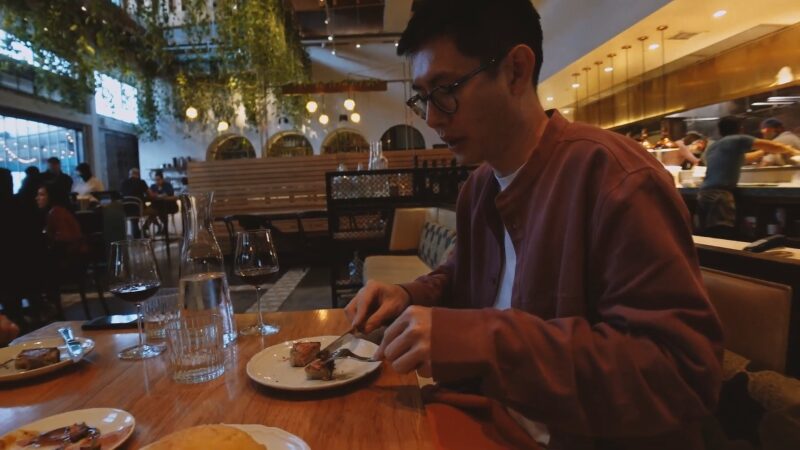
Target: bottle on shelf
pixel 355 269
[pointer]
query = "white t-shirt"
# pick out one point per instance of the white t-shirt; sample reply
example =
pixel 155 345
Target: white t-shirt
pixel 538 431
pixel 84 188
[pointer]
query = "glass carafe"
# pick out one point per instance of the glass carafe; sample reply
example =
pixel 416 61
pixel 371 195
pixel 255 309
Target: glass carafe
pixel 203 284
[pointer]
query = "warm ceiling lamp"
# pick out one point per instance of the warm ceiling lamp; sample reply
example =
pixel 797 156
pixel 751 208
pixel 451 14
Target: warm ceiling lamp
pixel 223 126
pixel 191 112
pixel 349 104
pixel 550 99
pixel 609 69
pixel 312 106
pixel 355 117
pixel 653 46
pixel 576 85
pixel 719 13
pixel 324 119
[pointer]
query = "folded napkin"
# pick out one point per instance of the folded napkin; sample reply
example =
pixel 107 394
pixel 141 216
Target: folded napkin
pixel 462 421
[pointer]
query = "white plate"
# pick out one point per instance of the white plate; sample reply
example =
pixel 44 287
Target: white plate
pixel 271 367
pixel 10 373
pixel 107 420
pixel 273 438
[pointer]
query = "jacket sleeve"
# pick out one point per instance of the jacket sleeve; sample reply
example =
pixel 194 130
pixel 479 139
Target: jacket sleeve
pixel 648 362
pixel 429 290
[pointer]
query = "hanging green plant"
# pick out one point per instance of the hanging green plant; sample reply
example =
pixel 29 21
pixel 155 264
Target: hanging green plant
pixel 240 53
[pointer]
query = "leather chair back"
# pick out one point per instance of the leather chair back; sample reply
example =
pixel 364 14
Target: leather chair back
pixel 754 315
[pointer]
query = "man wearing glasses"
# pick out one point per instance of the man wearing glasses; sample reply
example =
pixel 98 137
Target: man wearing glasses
pixel 574 298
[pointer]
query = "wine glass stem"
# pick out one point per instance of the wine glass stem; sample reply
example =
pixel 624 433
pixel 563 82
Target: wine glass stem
pixel 139 320
pixel 258 307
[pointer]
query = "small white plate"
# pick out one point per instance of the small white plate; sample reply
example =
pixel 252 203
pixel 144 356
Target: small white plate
pixel 273 438
pixel 115 425
pixel 10 373
pixel 271 366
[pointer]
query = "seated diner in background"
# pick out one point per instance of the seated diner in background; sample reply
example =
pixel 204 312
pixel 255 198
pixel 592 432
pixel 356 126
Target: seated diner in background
pixel 88 183
pixel 8 330
pixel 573 304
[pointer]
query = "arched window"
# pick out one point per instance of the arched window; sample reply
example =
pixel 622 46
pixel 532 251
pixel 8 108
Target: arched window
pixel 230 146
pixel 402 137
pixel 289 143
pixel 344 141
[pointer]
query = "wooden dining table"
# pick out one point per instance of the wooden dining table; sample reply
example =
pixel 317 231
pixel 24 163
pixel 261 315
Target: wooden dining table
pixel 381 411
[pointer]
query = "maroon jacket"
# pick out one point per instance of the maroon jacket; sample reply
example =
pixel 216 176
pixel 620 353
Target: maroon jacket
pixel 611 341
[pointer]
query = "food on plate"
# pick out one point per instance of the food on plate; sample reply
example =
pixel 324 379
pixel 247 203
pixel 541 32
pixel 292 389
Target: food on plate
pixel 15 436
pixel 33 358
pixel 217 437
pixel 78 436
pixel 303 353
pixel 320 370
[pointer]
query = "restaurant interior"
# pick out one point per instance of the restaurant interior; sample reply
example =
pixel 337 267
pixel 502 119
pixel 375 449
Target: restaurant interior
pixel 256 163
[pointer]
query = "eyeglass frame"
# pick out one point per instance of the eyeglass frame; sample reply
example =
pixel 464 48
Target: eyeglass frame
pixel 450 88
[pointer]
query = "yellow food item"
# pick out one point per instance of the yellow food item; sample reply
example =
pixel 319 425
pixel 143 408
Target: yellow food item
pixel 15 436
pixel 217 437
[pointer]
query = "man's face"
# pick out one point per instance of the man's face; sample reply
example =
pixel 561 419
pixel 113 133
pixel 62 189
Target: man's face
pixel 473 131
pixel 54 167
pixel 134 174
pixel 159 180
pixel 769 133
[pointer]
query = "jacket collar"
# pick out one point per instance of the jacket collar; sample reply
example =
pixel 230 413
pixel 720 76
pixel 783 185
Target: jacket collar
pixel 530 172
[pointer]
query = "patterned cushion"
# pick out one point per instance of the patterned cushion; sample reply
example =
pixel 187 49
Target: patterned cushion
pixel 436 243
pixel 757 409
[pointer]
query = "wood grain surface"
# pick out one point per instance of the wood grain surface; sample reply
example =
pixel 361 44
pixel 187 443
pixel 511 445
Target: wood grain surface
pixel 381 411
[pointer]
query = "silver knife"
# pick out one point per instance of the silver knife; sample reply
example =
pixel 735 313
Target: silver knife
pixel 336 344
pixel 74 347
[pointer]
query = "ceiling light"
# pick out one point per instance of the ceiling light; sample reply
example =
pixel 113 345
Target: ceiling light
pixel 609 69
pixel 333 52
pixel 396 44
pixel 83 8
pixel 719 13
pixel 330 37
pixel 549 99
pixel 191 112
pixel 326 21
pixel 790 98
pixel 576 85
pixel 349 104
pixel 358 45
pixel 355 117
pixel 771 103
pixel 223 126
pixel 565 111
pixel 324 119
pixel 653 46
pixel 311 106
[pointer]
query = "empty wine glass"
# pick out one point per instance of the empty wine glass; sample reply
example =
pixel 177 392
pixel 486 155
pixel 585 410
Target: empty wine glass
pixel 255 262
pixel 133 277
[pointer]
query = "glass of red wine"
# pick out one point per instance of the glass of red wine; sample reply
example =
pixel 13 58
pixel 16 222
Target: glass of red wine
pixel 256 262
pixel 133 277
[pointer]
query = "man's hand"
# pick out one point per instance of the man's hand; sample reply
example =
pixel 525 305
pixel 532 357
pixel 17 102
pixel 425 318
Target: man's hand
pixel 8 330
pixel 376 304
pixel 406 343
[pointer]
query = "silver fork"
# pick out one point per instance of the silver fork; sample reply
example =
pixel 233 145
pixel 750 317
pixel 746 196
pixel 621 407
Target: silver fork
pixel 346 353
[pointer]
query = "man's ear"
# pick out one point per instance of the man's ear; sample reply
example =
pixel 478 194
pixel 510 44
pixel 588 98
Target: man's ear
pixel 519 66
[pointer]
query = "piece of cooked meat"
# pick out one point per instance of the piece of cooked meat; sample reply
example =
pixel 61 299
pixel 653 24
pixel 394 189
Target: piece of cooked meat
pixel 320 370
pixel 303 353
pixel 33 358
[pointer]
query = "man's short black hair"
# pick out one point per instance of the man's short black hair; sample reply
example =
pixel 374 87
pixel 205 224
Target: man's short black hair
pixel 158 173
pixel 729 125
pixel 53 160
pixel 482 29
pixel 84 169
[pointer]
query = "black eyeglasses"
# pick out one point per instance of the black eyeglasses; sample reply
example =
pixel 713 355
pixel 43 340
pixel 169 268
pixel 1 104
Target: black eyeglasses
pixel 443 97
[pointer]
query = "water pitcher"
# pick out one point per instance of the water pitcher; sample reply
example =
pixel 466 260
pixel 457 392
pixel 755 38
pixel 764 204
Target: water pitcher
pixel 203 285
